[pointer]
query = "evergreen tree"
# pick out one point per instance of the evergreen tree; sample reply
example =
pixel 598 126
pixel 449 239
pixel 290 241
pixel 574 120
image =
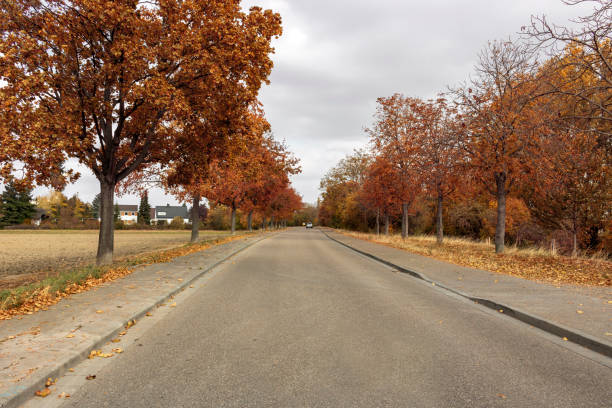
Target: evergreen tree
pixel 15 206
pixel 95 206
pixel 117 214
pixel 144 210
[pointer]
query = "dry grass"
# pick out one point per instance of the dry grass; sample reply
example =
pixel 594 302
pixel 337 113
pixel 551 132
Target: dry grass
pixel 528 263
pixel 27 256
pixel 40 295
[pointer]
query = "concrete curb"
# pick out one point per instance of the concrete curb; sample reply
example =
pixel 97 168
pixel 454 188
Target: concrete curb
pixel 26 392
pixel 572 335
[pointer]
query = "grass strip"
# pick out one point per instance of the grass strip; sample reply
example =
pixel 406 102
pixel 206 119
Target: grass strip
pixel 528 263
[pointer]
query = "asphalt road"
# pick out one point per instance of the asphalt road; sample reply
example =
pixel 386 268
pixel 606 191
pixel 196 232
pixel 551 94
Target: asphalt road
pixel 300 321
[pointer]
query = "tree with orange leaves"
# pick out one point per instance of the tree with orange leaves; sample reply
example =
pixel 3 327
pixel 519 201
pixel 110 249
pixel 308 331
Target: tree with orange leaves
pixel 394 138
pixel 106 82
pixel 500 122
pixel 439 153
pixel 379 191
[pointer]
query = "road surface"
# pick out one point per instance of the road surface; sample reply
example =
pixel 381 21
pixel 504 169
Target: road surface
pixel 297 320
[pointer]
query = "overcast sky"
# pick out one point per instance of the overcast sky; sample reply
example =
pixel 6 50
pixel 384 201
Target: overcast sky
pixel 337 56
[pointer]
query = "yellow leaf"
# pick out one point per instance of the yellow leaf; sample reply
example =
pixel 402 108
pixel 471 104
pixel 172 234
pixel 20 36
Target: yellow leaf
pixel 117 350
pixel 173 305
pixel 579 311
pixel 565 338
pixel 99 311
pixel 70 336
pixel 43 393
pixel 116 340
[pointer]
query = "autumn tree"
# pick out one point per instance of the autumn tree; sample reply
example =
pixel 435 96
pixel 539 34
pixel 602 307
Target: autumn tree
pixel 379 191
pixel 572 186
pixel 579 68
pixel 105 82
pixel 439 155
pixel 500 125
pixel 394 138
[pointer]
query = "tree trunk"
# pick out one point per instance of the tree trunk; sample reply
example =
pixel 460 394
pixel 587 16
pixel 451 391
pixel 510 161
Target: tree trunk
pixel 439 225
pixel 500 227
pixel 386 224
pixel 575 239
pixel 233 219
pixel 195 219
pixel 263 223
pixel 404 220
pixel 250 220
pixel 106 238
pixel 272 222
pixel 378 221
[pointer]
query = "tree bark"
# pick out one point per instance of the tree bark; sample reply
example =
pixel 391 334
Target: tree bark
pixel 195 219
pixel 500 227
pixel 404 220
pixel 439 225
pixel 378 221
pixel 386 224
pixel 233 219
pixel 250 220
pixel 575 238
pixel 263 223
pixel 106 238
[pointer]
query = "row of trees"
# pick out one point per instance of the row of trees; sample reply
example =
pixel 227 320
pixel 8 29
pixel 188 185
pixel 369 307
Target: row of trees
pixel 128 86
pixel 536 131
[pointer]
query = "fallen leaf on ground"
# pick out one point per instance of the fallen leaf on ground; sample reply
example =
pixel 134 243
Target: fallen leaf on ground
pixel 99 353
pixel 70 336
pixel 123 333
pixel 565 339
pixel 50 382
pixel 130 324
pixel 115 340
pixel 71 370
pixel 180 279
pixel 173 305
pixel 191 286
pixel 579 311
pixel 91 377
pixel 118 350
pixel 502 396
pixel 501 311
pixel 63 395
pixel 99 311
pixel 149 314
pixel 43 393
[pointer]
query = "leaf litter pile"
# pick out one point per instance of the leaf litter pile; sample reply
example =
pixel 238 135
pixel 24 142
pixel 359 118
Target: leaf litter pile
pixel 39 296
pixel 527 264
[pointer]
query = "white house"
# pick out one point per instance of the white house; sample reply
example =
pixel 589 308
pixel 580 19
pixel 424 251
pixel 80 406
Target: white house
pixel 128 213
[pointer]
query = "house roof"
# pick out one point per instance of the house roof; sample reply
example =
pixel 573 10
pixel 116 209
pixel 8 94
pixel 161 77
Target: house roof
pixel 124 207
pixel 171 211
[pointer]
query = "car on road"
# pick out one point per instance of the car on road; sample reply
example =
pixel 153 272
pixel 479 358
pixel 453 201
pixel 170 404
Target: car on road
pixel 309 225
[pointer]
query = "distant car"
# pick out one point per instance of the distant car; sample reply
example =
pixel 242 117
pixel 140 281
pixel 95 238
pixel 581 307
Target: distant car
pixel 309 225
